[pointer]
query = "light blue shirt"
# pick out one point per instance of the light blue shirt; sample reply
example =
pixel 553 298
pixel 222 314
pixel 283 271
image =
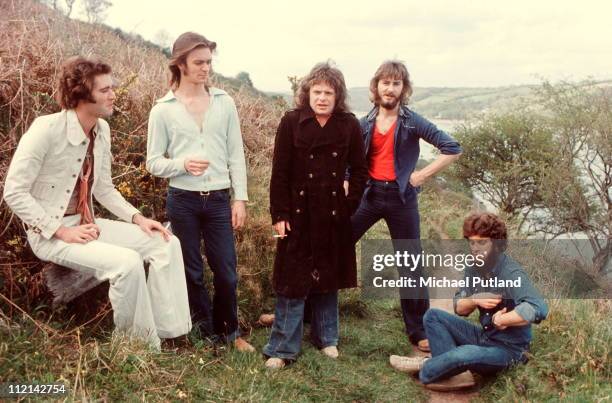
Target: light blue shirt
pixel 174 135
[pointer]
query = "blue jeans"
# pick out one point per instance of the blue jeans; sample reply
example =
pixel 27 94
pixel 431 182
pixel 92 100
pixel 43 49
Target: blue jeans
pixel 286 335
pixel 195 217
pixel 382 200
pixel 458 345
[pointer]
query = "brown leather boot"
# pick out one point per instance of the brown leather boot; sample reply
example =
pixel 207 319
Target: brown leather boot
pixel 266 319
pixel 243 346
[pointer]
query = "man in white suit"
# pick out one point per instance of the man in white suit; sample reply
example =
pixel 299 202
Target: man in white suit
pixel 60 163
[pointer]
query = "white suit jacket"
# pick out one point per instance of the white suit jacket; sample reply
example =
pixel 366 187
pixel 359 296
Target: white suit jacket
pixel 46 166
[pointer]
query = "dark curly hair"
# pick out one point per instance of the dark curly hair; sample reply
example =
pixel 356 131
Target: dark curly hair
pixel 76 80
pixel 323 73
pixel 486 225
pixel 393 69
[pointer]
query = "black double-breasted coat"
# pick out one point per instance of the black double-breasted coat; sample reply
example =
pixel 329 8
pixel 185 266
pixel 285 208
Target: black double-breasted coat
pixel 306 189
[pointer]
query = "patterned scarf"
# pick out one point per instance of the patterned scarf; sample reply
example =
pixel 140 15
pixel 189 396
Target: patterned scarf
pixel 83 207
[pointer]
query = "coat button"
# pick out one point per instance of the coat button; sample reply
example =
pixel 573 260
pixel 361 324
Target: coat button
pixel 74 175
pixel 298 211
pixel 334 174
pixel 311 156
pixel 84 142
pixel 57 217
pixel 301 193
pixel 334 154
pixel 310 176
pixel 67 190
pixel 333 212
pixel 334 193
pixel 79 160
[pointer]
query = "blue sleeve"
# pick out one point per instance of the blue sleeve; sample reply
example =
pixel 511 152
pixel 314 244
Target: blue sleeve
pixel 529 304
pixel 466 291
pixel 436 137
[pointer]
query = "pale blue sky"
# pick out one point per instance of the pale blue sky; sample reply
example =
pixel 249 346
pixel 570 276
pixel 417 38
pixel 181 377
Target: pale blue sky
pixel 444 43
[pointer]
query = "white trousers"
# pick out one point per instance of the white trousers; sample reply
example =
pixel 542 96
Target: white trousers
pixel 149 308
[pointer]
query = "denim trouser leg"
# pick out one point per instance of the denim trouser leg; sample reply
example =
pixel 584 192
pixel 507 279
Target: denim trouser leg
pixel 404 223
pixel 287 331
pixel 458 345
pixel 324 319
pixel 194 217
pixel 286 336
pixel 220 252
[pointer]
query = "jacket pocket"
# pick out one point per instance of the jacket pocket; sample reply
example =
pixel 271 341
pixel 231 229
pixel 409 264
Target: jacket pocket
pixel 43 190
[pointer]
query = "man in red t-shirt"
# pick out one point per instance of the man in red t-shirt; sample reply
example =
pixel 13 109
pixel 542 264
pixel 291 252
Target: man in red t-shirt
pixel 391 134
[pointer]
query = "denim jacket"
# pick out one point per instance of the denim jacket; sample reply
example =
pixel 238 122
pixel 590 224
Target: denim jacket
pixel 524 300
pixel 410 129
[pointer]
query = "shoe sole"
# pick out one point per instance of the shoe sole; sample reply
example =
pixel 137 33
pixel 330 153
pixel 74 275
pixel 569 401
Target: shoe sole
pixel 444 388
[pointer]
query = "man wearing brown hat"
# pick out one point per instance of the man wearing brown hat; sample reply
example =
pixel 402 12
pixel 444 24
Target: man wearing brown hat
pixel 194 140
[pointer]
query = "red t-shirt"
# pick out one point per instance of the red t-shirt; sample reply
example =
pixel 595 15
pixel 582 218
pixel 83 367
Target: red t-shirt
pixel 381 155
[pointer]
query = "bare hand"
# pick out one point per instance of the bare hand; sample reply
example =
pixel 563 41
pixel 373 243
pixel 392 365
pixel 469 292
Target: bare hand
pixel 282 227
pixel 196 167
pixel 238 213
pixel 496 317
pixel 148 226
pixel 417 179
pixel 79 234
pixel 486 300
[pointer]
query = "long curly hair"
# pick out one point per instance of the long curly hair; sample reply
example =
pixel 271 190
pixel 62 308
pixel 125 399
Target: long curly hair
pixel 323 73
pixel 76 80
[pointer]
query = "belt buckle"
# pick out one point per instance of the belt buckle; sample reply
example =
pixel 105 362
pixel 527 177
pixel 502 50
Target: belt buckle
pixel 206 193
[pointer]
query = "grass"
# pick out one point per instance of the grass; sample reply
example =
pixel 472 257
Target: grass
pixel 570 360
pixel 115 369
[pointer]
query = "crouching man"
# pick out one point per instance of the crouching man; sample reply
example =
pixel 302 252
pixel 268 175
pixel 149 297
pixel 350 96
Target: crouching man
pixel 60 163
pixel 505 314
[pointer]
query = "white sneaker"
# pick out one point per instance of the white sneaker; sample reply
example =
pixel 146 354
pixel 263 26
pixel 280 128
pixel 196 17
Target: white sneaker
pixel 275 363
pixel 331 351
pixel 411 365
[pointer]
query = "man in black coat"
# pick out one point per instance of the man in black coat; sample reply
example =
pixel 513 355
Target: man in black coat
pixel 315 143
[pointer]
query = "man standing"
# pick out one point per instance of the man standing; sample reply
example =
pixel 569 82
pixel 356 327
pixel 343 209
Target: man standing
pixel 60 163
pixel 391 133
pixel 194 140
pixel 506 315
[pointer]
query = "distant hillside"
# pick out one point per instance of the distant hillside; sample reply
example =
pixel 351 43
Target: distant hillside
pixel 453 103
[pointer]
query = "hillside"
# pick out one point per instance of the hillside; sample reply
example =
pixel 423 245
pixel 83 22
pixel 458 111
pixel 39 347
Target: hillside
pixel 453 103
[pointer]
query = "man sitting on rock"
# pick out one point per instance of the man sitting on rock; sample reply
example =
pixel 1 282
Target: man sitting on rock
pixel 62 162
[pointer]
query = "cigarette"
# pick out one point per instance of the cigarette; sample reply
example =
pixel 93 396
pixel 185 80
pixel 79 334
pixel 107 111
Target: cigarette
pixel 278 236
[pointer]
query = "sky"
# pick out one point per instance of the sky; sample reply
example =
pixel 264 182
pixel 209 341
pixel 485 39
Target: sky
pixel 471 43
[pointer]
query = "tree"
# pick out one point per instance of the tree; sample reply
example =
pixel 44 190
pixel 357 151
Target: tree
pixel 164 40
pixel 69 5
pixel 505 158
pixel 95 10
pixel 578 195
pixel 295 84
pixel 244 77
